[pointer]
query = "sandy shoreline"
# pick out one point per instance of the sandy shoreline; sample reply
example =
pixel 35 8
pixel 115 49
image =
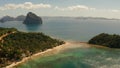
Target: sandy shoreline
pixel 55 49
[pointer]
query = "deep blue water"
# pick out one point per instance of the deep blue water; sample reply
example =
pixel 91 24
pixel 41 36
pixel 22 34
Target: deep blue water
pixel 75 30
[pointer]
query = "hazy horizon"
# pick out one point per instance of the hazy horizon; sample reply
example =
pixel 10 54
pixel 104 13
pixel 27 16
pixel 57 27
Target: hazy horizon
pixel 67 17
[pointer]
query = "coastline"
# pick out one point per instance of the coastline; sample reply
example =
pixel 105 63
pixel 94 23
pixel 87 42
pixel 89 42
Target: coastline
pixel 56 49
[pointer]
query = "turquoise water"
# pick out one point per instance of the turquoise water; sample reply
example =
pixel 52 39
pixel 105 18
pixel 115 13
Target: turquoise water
pixel 77 58
pixel 75 30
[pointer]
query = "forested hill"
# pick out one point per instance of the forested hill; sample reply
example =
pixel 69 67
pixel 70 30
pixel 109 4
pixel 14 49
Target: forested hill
pixel 16 45
pixel 104 39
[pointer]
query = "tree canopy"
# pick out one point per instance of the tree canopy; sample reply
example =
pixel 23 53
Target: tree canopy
pixel 112 41
pixel 18 45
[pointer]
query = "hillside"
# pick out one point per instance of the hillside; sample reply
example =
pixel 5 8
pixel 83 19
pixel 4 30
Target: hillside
pixel 16 45
pixel 103 39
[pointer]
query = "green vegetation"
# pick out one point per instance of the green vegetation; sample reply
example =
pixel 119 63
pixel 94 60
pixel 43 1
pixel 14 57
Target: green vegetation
pixel 18 45
pixel 112 41
pixel 6 30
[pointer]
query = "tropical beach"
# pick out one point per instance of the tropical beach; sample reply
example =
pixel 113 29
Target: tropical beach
pixel 55 50
pixel 48 52
pixel 69 45
pixel 59 34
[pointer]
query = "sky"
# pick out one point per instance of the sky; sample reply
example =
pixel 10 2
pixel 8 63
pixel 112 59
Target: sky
pixel 69 8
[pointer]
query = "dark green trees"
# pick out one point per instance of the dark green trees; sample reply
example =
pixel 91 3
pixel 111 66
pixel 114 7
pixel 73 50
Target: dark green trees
pixel 17 45
pixel 112 41
pixel 6 30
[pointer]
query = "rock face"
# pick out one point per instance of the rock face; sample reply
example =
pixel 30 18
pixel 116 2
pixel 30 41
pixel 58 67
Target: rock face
pixel 31 18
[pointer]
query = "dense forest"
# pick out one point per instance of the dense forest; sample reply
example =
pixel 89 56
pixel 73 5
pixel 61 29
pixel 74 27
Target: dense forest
pixel 6 30
pixel 112 41
pixel 18 45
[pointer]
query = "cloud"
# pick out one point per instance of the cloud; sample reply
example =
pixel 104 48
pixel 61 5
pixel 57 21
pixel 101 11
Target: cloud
pixel 115 11
pixel 30 5
pixel 58 8
pixel 74 8
pixel 78 7
pixel 84 7
pixel 26 5
pixel 108 10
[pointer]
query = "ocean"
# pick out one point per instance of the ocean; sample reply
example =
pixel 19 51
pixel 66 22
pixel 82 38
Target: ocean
pixel 73 29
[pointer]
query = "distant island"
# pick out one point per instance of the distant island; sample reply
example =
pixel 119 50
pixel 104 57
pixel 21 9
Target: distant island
pixel 15 45
pixel 104 39
pixel 32 18
pixel 9 18
pixel 23 17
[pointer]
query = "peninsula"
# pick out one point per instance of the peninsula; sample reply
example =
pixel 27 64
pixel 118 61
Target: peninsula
pixel 16 45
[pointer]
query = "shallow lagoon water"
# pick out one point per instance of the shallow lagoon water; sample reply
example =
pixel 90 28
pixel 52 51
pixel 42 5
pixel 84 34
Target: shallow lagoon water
pixel 75 30
pixel 77 58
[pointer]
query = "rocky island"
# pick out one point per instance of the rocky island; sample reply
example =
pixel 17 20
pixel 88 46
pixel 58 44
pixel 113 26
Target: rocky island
pixel 7 18
pixel 32 18
pixel 15 45
pixel 104 39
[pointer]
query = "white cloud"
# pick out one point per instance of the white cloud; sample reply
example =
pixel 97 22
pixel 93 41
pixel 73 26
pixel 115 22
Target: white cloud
pixel 108 10
pixel 115 10
pixel 84 7
pixel 30 5
pixel 58 8
pixel 74 8
pixel 26 5
pixel 78 7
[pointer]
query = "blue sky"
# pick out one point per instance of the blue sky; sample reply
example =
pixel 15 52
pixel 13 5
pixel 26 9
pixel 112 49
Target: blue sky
pixel 72 8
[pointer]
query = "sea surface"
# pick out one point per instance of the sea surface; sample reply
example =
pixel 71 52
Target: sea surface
pixel 73 29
